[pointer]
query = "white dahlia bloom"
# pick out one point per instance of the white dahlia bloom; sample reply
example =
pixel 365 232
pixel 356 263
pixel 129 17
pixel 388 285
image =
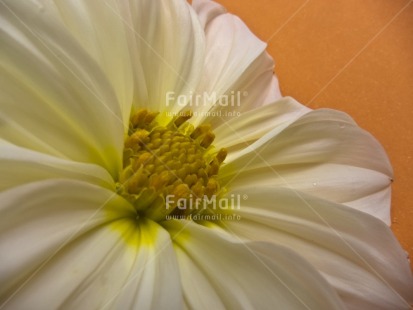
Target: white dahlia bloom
pixel 105 158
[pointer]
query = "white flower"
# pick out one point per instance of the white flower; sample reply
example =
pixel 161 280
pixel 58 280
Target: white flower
pixel 83 223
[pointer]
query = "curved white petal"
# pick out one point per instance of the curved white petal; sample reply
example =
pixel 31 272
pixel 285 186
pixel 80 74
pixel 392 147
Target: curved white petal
pixel 323 153
pixel 56 96
pixel 19 166
pixel 100 30
pixel 237 133
pixel 207 11
pixel 66 244
pixel 238 73
pixel 169 43
pixel 219 272
pixel 354 251
pixel 141 273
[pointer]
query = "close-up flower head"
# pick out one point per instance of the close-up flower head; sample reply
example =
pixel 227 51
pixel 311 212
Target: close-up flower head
pixel 148 160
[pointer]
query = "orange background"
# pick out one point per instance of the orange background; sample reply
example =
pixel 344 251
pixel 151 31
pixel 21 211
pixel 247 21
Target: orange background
pixel 351 55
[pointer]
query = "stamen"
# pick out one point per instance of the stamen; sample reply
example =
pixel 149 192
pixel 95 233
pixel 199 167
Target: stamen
pixel 173 160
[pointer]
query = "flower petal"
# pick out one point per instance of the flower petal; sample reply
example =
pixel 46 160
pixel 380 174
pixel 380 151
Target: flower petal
pixel 19 166
pixel 323 153
pixel 219 272
pixel 67 244
pixel 242 74
pixel 138 275
pixel 56 97
pixel 169 42
pixel 237 133
pixel 207 11
pixel 354 251
pixel 88 22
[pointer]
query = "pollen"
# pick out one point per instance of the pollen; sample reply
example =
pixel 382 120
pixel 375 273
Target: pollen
pixel 168 167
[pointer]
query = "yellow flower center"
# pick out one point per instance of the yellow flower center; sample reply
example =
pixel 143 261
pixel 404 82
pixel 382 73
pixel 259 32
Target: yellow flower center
pixel 169 170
